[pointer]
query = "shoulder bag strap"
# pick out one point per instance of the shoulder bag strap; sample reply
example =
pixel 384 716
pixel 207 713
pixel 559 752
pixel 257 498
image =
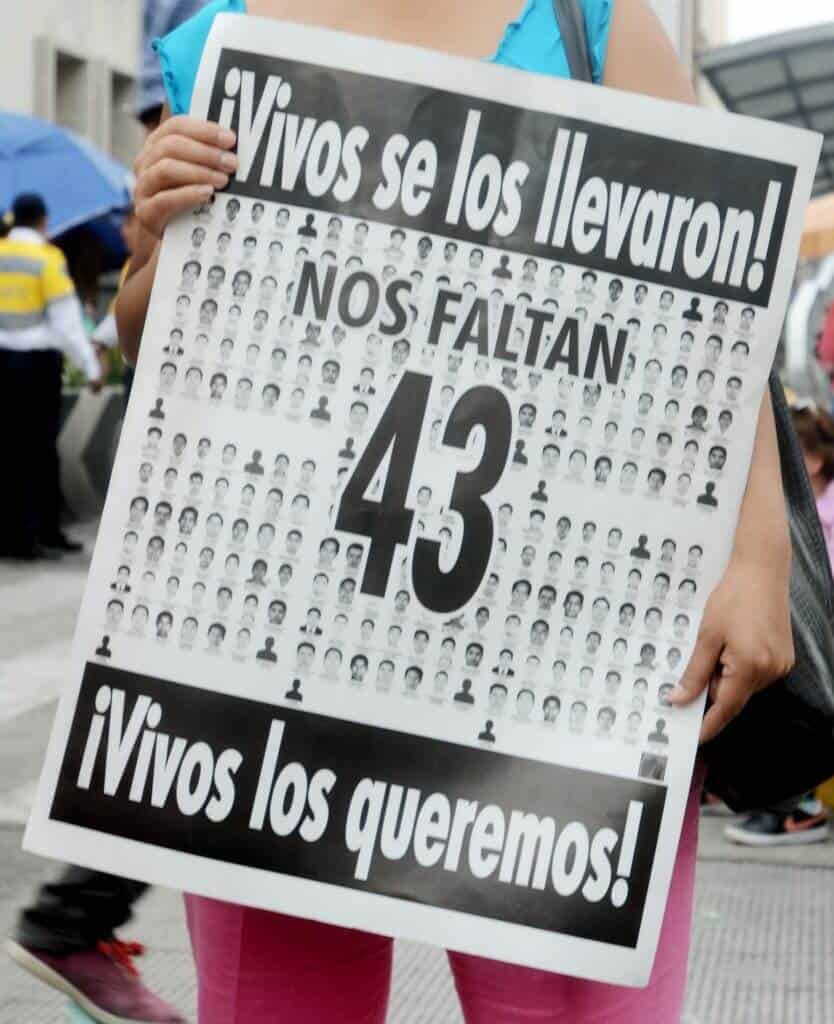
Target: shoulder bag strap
pixel 571 22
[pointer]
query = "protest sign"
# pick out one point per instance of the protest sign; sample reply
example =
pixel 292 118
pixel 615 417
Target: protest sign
pixel 439 434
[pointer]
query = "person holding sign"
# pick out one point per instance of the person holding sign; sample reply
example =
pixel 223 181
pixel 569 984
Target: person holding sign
pixel 256 966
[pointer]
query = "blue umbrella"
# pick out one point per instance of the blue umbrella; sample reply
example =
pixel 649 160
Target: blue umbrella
pixel 77 181
pixel 107 232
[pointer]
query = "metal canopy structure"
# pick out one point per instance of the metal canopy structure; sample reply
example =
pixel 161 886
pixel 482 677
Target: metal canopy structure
pixel 787 77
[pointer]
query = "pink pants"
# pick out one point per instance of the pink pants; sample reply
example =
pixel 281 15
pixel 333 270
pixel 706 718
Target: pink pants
pixel 256 967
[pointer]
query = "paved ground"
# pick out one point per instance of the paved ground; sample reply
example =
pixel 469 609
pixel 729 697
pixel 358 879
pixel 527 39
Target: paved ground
pixel 763 940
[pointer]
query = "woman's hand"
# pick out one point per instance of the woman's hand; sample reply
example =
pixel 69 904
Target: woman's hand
pixel 180 166
pixel 745 642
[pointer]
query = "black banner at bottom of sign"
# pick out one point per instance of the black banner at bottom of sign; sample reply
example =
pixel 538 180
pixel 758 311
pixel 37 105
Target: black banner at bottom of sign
pixel 375 810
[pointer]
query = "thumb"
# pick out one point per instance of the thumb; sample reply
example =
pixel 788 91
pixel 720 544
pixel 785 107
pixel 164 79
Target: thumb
pixel 701 668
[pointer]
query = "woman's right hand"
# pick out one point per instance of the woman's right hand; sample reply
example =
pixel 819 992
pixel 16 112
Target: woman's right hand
pixel 180 166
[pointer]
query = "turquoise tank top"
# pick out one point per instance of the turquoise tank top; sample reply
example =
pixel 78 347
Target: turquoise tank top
pixel 531 43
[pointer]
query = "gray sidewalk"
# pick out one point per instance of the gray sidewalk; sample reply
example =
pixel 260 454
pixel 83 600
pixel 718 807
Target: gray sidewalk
pixel 763 945
pixel 763 940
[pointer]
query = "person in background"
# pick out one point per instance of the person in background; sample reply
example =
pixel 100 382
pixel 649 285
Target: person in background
pixel 40 322
pixel 815 430
pixel 825 343
pixel 159 17
pixel 805 820
pixel 66 937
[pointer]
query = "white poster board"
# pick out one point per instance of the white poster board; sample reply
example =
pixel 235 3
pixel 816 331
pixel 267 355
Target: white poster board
pixel 438 438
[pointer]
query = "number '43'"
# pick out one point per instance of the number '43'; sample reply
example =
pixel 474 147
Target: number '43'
pixel 387 522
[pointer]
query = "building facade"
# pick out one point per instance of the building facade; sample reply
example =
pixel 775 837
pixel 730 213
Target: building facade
pixel 711 27
pixel 73 62
pixel 676 16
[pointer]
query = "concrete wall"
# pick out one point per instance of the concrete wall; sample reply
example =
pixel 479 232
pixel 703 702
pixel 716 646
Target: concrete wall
pixel 676 16
pixel 73 61
pixel 693 26
pixel 711 23
pixel 711 31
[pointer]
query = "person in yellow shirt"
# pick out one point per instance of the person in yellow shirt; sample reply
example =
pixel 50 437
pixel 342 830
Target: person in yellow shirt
pixel 40 322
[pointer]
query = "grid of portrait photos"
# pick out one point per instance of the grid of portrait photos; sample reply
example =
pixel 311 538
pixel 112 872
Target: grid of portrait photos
pixel 579 625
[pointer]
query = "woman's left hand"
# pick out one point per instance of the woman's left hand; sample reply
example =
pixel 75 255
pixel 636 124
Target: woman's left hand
pixel 745 643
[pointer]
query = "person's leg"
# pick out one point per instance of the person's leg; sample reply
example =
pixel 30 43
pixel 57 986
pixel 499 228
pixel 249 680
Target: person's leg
pixel 19 428
pixel 497 993
pixel 256 967
pixel 77 911
pixel 51 500
pixel 792 823
pixel 65 939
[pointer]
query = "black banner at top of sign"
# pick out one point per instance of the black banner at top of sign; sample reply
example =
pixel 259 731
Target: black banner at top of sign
pixel 652 208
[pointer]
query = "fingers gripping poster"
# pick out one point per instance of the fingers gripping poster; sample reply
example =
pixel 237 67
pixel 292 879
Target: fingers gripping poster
pixel 440 430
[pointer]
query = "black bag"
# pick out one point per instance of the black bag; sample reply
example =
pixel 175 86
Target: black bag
pixel 782 744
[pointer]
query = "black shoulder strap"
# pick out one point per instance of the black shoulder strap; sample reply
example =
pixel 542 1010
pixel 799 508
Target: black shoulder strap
pixel 571 22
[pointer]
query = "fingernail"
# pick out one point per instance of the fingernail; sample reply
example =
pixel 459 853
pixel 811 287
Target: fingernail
pixel 220 180
pixel 206 191
pixel 228 161
pixel 226 137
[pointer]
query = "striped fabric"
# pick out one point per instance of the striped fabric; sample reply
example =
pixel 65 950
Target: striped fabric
pixel 33 275
pixel 159 18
